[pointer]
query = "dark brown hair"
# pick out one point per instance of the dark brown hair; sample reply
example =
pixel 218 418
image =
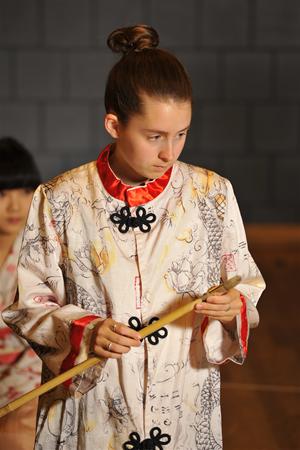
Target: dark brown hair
pixel 142 69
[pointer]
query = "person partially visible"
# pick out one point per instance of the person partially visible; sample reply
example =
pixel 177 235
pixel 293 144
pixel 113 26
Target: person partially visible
pixel 20 367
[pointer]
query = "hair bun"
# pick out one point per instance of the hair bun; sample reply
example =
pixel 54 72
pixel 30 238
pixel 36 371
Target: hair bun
pixel 136 38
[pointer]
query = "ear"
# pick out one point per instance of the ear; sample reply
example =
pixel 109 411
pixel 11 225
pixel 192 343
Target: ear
pixel 112 126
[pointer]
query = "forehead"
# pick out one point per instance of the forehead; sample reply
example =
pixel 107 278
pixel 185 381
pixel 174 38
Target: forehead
pixel 156 112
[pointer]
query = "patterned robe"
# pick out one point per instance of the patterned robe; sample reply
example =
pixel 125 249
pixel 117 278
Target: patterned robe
pixel 94 247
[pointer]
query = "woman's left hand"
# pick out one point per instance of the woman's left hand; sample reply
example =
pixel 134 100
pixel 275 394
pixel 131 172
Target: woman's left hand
pixel 223 307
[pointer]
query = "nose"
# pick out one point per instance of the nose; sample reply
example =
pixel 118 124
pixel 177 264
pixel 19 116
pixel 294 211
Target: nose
pixel 166 153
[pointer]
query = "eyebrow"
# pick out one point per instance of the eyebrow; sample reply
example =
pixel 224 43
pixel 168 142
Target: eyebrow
pixel 150 130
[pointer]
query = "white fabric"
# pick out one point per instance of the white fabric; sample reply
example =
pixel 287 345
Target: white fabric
pixel 75 262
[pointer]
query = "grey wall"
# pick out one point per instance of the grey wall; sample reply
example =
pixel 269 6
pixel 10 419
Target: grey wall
pixel 243 57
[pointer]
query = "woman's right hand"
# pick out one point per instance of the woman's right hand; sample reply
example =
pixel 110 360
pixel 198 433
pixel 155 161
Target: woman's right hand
pixel 110 339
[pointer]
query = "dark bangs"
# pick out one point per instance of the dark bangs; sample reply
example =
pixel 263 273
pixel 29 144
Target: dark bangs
pixel 17 166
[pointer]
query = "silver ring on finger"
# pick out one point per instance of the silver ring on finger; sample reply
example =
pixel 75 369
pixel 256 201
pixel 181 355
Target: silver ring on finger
pixel 108 347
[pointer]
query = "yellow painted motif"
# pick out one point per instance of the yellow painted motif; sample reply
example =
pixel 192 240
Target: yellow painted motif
pixel 111 445
pixel 186 236
pixel 203 182
pixel 169 217
pixel 100 260
pixel 64 251
pixel 110 246
pixel 90 426
pixel 194 192
pixel 103 258
pixel 210 177
pixel 164 253
pixel 179 204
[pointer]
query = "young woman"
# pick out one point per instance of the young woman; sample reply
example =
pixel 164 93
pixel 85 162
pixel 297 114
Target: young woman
pixel 113 245
pixel 20 368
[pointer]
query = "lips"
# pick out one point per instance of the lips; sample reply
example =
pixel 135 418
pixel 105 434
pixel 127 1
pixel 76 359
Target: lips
pixel 14 220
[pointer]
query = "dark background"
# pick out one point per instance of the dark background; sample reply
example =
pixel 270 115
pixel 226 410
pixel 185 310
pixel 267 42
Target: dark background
pixel 244 60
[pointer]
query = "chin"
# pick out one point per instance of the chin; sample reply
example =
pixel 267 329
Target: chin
pixel 11 230
pixel 159 172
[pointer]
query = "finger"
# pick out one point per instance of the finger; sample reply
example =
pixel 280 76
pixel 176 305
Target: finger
pixel 110 328
pixel 220 299
pixel 230 295
pixel 217 294
pixel 124 330
pixel 111 347
pixel 220 314
pixel 210 308
pixel 217 310
pixel 111 337
pixel 221 317
pixel 107 348
pixel 123 340
pixel 235 303
pixel 99 351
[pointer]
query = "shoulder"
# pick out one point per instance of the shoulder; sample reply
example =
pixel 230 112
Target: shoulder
pixel 80 175
pixel 62 193
pixel 205 181
pixel 73 180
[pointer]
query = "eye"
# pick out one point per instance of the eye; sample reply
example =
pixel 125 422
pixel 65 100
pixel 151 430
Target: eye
pixel 154 137
pixel 2 193
pixel 182 134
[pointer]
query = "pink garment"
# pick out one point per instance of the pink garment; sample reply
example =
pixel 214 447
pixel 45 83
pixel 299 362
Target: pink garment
pixel 20 367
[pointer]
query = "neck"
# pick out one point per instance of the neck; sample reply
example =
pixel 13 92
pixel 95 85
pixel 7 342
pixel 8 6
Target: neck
pixel 128 177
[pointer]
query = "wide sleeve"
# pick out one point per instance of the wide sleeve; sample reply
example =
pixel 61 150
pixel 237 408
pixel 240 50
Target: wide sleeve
pixel 236 259
pixel 57 329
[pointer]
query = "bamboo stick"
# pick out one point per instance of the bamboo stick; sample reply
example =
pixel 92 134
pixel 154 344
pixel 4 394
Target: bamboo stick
pixel 90 362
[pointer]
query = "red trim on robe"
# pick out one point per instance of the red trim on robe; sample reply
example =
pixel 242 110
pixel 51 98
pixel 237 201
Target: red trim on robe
pixel 244 325
pixel 76 334
pixel 132 195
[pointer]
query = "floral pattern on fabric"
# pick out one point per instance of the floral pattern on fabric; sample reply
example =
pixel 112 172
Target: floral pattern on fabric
pixel 76 263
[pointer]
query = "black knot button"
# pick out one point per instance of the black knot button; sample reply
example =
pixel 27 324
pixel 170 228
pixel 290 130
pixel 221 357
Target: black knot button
pixel 124 220
pixel 157 440
pixel 153 338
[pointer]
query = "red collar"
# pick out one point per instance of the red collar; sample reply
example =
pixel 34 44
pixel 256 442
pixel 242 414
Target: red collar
pixel 132 195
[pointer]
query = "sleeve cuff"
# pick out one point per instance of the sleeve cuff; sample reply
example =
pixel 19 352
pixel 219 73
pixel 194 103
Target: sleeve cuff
pixel 222 345
pixel 79 340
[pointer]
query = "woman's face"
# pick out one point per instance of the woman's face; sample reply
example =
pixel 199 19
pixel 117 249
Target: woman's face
pixel 14 207
pixel 150 142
